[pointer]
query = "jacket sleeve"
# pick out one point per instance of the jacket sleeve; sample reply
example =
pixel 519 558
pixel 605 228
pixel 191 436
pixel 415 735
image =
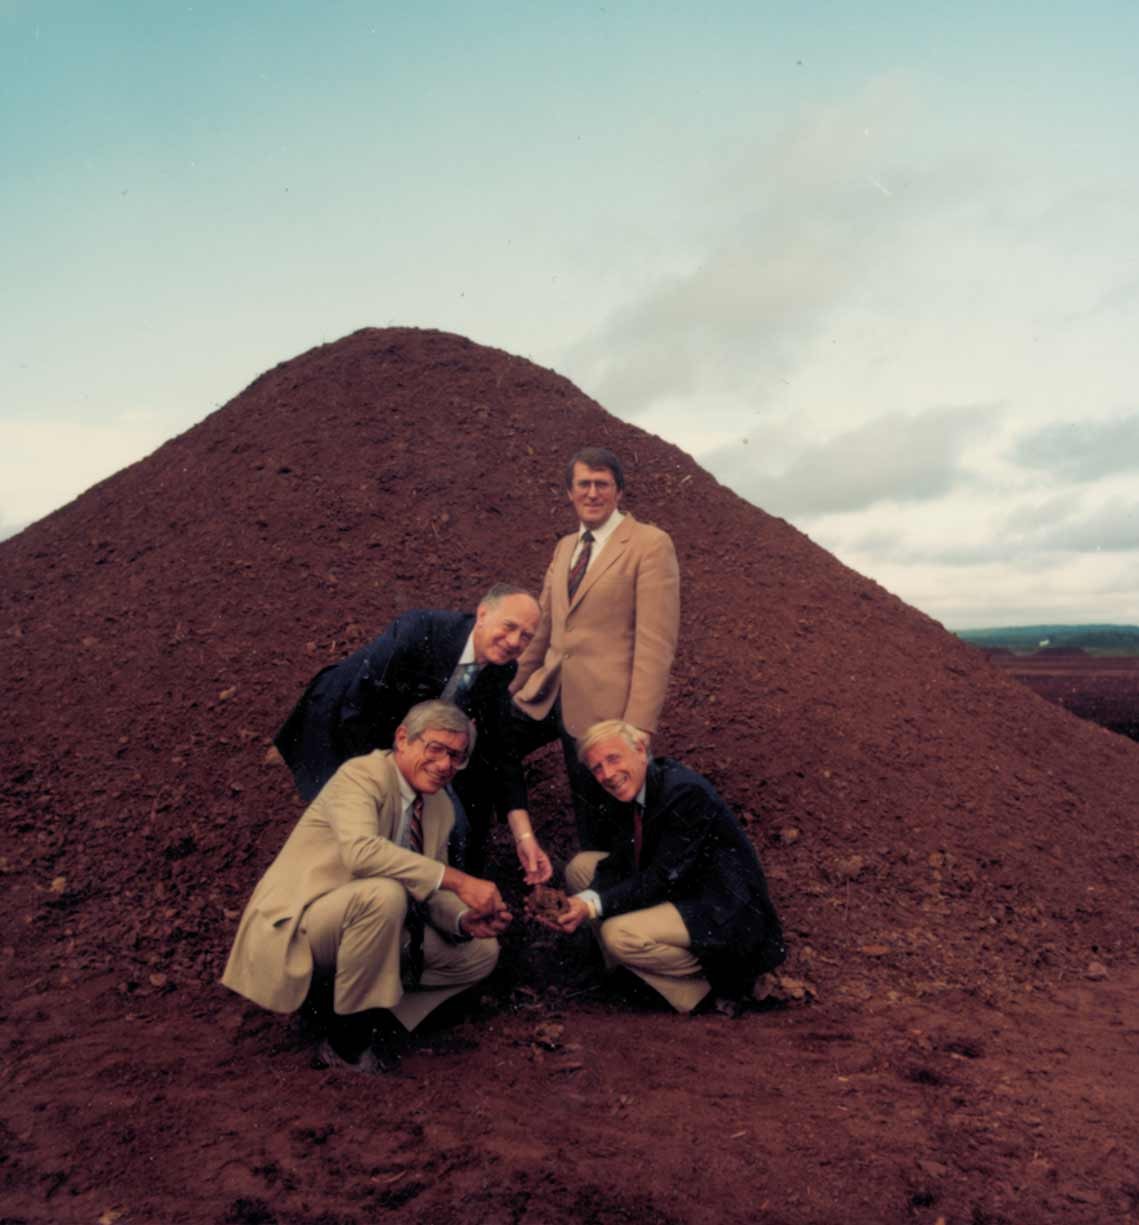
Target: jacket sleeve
pixel 655 634
pixel 533 657
pixel 370 708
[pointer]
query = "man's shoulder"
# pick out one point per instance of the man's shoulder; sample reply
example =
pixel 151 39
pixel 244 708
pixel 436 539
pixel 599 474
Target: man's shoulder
pixel 423 627
pixel 646 534
pixel 669 779
pixel 433 618
pixel 374 770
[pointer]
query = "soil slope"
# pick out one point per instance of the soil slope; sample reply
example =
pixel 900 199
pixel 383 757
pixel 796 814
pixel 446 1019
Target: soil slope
pixel 953 857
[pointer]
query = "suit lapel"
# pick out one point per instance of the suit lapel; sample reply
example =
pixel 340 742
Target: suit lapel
pixel 435 811
pixel 391 805
pixel 560 581
pixel 614 547
pixel 450 648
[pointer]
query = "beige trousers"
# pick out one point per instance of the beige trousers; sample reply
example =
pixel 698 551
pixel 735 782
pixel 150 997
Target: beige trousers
pixel 356 934
pixel 653 942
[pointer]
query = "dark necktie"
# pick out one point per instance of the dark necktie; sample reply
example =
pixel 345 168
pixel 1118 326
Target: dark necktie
pixel 582 564
pixel 412 967
pixel 638 833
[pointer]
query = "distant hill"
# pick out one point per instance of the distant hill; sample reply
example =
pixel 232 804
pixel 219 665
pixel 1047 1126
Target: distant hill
pixel 1022 639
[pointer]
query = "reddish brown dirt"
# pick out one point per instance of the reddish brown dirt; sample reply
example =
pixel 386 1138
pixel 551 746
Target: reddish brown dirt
pixel 1102 688
pixel 954 858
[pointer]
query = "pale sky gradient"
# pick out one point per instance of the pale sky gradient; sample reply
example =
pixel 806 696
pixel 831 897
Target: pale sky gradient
pixel 875 265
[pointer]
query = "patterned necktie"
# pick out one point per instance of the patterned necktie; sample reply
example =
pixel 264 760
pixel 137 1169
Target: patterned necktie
pixel 415 826
pixel 411 965
pixel 461 683
pixel 582 564
pixel 638 833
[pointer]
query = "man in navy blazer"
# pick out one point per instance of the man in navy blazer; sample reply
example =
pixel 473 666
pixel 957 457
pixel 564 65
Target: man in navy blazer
pixel 354 706
pixel 681 899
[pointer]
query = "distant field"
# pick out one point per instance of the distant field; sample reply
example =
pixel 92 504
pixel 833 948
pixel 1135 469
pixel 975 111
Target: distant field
pixel 1121 640
pixel 1102 688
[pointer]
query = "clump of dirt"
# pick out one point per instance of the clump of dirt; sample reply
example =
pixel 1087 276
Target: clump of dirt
pixel 544 903
pixel 952 857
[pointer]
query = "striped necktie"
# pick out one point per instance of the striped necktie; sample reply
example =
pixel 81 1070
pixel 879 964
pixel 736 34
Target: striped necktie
pixel 582 564
pixel 411 965
pixel 415 826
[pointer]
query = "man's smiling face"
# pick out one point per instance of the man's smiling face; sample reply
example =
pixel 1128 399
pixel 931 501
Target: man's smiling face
pixel 594 494
pixel 618 767
pixel 430 761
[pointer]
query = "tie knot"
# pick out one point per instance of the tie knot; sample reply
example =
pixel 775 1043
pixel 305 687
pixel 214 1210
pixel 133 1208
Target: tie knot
pixel 587 537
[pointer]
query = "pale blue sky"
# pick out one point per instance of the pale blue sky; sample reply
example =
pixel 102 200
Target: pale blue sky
pixel 876 265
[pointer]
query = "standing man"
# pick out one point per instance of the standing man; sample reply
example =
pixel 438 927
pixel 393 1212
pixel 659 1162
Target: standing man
pixel 610 614
pixel 361 893
pixel 681 899
pixel 353 707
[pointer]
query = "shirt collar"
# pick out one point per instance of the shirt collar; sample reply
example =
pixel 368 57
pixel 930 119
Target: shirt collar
pixel 641 794
pixel 601 534
pixel 406 791
pixel 468 655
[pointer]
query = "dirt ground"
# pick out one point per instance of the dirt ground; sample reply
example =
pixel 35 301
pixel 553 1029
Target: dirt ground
pixel 953 858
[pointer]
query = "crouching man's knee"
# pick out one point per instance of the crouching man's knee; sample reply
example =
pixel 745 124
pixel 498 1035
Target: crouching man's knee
pixel 482 956
pixel 619 941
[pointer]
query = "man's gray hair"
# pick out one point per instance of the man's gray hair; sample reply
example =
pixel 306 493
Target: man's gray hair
pixel 501 591
pixel 605 730
pixel 440 716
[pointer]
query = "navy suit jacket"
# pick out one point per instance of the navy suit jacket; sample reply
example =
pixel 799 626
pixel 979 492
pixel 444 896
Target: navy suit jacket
pixel 355 706
pixel 695 854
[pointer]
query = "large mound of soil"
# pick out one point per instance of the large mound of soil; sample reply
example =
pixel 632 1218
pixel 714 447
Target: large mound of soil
pixel 952 856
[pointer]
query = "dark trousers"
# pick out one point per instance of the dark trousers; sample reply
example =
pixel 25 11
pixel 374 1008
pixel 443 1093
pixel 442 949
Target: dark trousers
pixel 588 798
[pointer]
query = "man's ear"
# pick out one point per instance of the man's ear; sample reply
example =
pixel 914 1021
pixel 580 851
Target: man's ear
pixel 400 737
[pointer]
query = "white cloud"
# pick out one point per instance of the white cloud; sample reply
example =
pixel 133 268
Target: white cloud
pixel 1083 450
pixel 893 458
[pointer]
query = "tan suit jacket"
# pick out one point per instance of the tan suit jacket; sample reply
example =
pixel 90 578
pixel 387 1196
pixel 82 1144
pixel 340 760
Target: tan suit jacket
pixel 609 651
pixel 345 833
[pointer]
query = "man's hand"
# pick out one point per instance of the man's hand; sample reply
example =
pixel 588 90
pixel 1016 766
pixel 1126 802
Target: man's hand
pixel 535 862
pixel 574 915
pixel 536 866
pixel 481 926
pixel 482 896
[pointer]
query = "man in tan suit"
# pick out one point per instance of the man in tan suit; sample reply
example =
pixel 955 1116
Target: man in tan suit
pixel 361 893
pixel 604 648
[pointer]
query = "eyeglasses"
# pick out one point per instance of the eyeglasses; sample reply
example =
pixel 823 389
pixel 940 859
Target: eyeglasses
pixel 437 750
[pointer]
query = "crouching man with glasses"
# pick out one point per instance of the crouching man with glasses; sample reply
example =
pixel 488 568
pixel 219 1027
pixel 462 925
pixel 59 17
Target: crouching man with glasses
pixel 361 899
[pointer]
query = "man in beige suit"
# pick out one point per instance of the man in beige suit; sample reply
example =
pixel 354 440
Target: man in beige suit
pixel 604 648
pixel 361 894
